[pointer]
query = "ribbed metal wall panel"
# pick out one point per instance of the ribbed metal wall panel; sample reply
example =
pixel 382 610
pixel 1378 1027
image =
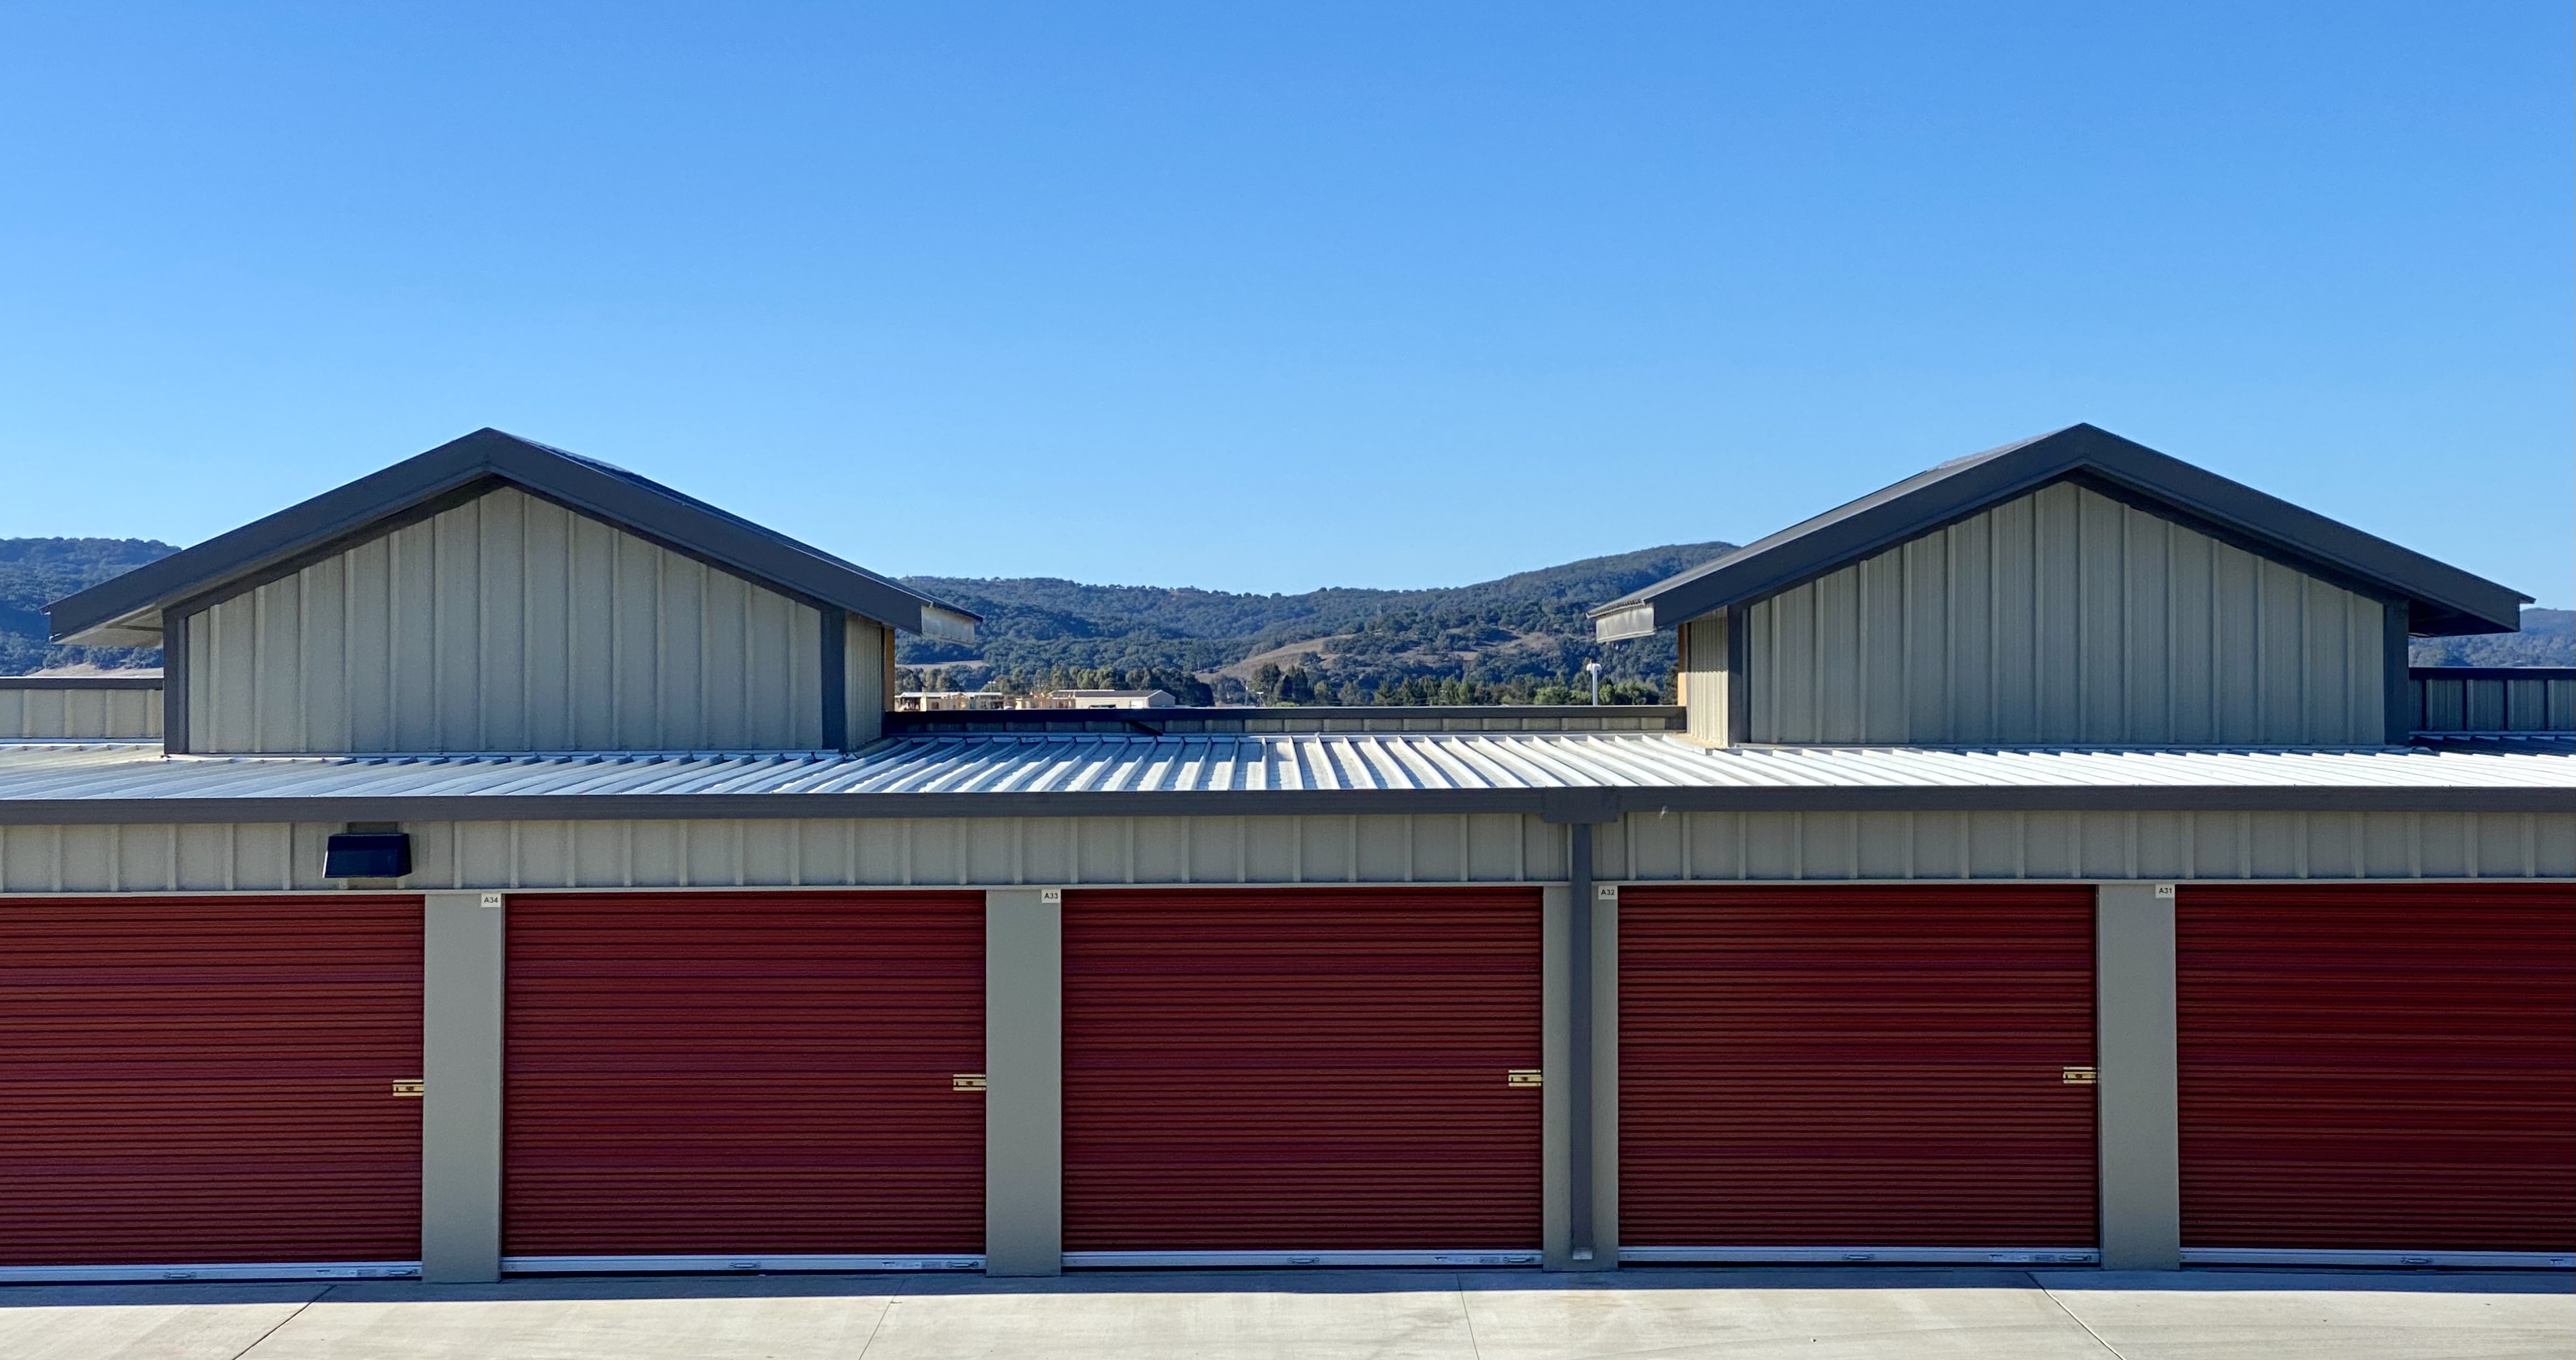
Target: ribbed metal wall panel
pixel 1878 1067
pixel 1703 678
pixel 1317 1072
pixel 507 623
pixel 2388 1068
pixel 209 1081
pixel 1723 847
pixel 2065 616
pixel 745 1073
pixel 79 712
pixel 2489 701
pixel 863 677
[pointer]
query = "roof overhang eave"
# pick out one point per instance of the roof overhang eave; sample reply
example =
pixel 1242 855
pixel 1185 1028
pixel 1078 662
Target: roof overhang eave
pixel 1286 802
pixel 2441 600
pixel 127 610
pixel 1621 622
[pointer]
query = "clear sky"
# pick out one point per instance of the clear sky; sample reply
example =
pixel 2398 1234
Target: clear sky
pixel 1274 296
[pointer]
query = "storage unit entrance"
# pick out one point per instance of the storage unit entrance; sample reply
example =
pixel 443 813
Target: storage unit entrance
pixel 210 1087
pixel 1898 1074
pixel 1322 1076
pixel 744 1081
pixel 2378 1074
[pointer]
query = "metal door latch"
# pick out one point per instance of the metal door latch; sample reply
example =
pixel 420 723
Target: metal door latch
pixel 1522 1078
pixel 408 1088
pixel 2077 1076
pixel 966 1081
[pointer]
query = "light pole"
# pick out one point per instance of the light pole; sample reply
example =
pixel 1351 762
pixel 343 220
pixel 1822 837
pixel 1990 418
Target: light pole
pixel 1593 669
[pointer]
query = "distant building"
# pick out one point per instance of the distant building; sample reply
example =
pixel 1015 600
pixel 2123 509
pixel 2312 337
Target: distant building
pixel 1107 698
pixel 952 701
pixel 948 700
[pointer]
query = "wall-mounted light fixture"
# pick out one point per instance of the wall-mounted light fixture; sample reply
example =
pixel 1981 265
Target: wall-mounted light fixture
pixel 367 851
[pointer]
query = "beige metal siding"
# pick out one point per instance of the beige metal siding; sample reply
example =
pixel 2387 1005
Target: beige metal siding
pixel 1645 847
pixel 1703 678
pixel 2066 617
pixel 75 712
pixel 863 680
pixel 505 624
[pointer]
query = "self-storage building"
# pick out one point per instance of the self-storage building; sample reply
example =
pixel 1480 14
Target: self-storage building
pixel 2052 859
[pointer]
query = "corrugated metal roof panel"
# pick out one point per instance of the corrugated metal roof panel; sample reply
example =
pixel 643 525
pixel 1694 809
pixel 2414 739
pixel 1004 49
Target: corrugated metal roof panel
pixel 1100 764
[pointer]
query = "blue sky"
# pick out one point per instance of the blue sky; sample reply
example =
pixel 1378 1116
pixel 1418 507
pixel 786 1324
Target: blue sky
pixel 1268 297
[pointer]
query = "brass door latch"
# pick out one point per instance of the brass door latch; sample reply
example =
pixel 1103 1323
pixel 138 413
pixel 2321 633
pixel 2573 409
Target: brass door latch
pixel 966 1081
pixel 1522 1078
pixel 408 1088
pixel 2077 1076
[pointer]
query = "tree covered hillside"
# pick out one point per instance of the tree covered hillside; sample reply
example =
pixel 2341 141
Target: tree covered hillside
pixel 35 572
pixel 2548 638
pixel 1495 641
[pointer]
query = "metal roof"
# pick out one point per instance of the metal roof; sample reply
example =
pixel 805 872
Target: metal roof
pixel 2442 599
pixel 1566 776
pixel 127 609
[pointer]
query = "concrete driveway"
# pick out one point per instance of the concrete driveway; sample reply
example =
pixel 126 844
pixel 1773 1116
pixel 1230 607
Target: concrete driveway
pixel 1669 1314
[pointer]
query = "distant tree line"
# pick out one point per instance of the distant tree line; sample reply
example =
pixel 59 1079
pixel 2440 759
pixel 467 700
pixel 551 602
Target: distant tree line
pixel 1271 684
pixel 1298 685
pixel 1181 685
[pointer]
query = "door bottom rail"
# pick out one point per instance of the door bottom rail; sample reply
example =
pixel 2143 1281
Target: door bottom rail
pixel 743 1263
pixel 1858 1255
pixel 222 1270
pixel 1283 1260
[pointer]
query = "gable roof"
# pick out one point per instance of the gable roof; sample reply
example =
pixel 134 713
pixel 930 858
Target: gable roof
pixel 126 610
pixel 2441 599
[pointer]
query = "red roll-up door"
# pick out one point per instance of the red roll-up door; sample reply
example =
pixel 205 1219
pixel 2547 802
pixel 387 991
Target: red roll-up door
pixel 1872 1070
pixel 2378 1068
pixel 745 1075
pixel 200 1083
pixel 1301 1073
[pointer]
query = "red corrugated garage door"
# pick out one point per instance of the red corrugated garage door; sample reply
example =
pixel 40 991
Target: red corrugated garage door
pixel 1305 1075
pixel 745 1076
pixel 2378 1068
pixel 193 1083
pixel 1863 1073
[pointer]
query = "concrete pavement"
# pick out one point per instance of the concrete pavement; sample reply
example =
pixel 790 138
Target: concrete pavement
pixel 1669 1314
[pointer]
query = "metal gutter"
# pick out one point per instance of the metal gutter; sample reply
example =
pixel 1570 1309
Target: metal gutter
pixel 151 681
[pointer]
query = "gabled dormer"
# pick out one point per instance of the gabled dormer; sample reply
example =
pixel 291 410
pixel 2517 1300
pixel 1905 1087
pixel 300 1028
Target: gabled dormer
pixel 494 594
pixel 2074 589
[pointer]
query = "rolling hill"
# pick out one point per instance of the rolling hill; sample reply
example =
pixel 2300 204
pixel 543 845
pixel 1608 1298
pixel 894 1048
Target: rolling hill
pixel 1495 641
pixel 35 572
pixel 1521 638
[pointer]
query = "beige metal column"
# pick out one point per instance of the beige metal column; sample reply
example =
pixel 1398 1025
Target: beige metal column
pixel 462 937
pixel 1556 1054
pixel 2137 1099
pixel 1024 1081
pixel 1605 1077
pixel 1564 1248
